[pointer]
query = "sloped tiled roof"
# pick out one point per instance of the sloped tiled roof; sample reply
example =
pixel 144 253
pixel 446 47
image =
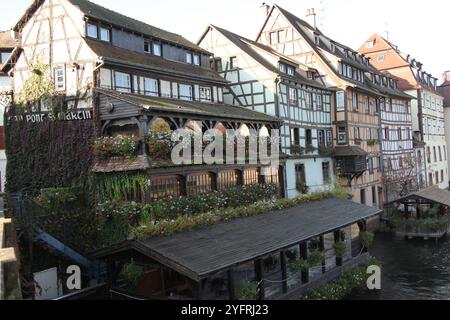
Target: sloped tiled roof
pixel 98 12
pixel 119 55
pixel 248 46
pixel 304 29
pixel 95 11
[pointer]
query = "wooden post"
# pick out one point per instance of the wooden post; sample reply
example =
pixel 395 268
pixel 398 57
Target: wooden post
pixel 259 279
pixel 284 271
pixel 304 256
pixel 231 289
pixel 200 290
pixel 322 249
pixel 337 238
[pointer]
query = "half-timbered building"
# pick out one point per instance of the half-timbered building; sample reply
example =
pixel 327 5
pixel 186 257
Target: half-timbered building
pixel 126 76
pixel 139 75
pixel 427 109
pixel 266 81
pixel 356 114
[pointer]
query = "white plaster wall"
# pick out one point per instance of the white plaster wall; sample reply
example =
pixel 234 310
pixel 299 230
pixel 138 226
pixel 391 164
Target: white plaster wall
pixel 313 173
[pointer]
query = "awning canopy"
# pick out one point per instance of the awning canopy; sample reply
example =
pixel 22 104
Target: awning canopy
pixel 201 253
pixel 433 194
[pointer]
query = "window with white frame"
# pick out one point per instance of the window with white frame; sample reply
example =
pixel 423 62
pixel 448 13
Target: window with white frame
pixel 105 34
pixel 205 94
pixel 293 98
pixel 188 57
pixel 157 51
pixel 185 92
pixel 329 138
pixel 196 59
pixel 147 47
pixel 151 87
pixel 122 82
pixel 60 78
pixel 342 135
pixel 92 30
pixel 291 71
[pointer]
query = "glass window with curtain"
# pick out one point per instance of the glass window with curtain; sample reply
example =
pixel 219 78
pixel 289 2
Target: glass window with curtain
pixel 122 82
pixel 151 87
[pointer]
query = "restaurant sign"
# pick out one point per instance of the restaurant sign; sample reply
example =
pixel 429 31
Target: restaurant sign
pixel 74 115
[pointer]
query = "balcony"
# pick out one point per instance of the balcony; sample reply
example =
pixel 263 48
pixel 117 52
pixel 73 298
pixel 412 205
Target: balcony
pixel 352 160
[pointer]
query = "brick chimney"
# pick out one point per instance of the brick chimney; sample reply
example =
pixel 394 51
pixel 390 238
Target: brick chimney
pixel 446 78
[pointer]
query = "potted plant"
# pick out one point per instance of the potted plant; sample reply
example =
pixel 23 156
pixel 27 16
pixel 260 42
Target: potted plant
pixel 325 151
pixel 372 142
pixel 297 150
pixel 310 148
pixel 248 291
pixel 367 239
pixel 302 187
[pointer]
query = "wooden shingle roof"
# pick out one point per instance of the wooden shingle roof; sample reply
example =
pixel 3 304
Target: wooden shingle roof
pixel 198 254
pixel 215 110
pixel 433 194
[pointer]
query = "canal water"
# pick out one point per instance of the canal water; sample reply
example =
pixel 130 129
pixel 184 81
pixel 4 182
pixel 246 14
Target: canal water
pixel 411 270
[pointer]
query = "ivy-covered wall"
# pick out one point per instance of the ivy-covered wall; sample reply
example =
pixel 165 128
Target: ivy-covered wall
pixel 47 154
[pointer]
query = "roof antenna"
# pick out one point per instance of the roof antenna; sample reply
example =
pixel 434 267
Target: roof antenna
pixel 267 7
pixel 311 12
pixel 387 31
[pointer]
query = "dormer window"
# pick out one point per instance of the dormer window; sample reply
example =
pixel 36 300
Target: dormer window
pixel 317 40
pixel 291 71
pixel 189 58
pixel 370 44
pixel 147 47
pixel 196 59
pixel 157 51
pixel 105 34
pixel 92 30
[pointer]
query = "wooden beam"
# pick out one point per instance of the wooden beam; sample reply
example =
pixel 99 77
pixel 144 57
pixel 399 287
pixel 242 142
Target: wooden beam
pixel 284 271
pixel 259 271
pixel 231 290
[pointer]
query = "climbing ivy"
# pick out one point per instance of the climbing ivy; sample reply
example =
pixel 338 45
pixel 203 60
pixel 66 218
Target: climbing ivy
pixel 48 154
pixel 119 186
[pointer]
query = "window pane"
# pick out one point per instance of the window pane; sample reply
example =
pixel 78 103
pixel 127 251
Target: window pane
pixel 122 82
pixel 4 57
pixel 205 94
pixel 157 49
pixel 189 58
pixel 196 59
pixel 185 92
pixel 150 87
pixel 92 31
pixel 60 82
pixel 104 34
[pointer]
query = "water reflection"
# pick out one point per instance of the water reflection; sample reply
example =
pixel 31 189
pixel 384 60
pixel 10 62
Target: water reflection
pixel 416 270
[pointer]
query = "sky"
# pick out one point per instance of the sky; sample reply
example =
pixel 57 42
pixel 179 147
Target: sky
pixel 417 27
